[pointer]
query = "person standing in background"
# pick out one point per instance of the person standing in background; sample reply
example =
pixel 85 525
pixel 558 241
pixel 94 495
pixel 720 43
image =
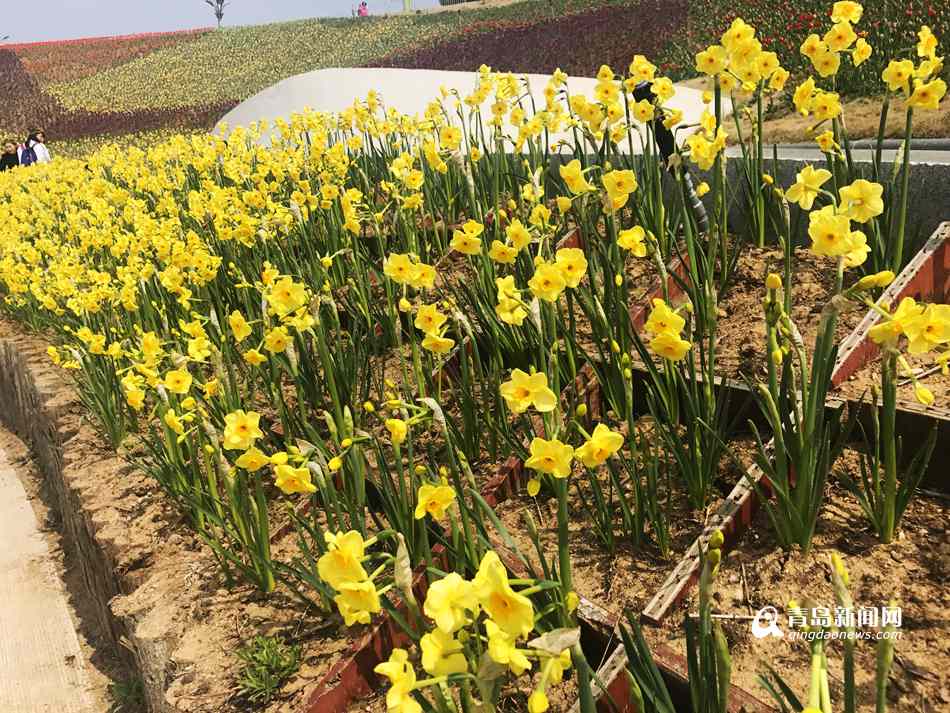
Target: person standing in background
pixel 10 158
pixel 363 10
pixel 37 141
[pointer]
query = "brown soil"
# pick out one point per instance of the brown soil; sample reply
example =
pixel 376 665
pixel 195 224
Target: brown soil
pixel 862 117
pixel 859 385
pixel 914 570
pixel 741 340
pixel 628 578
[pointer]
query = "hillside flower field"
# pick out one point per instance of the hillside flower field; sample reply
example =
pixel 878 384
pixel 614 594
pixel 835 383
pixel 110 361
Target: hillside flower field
pixel 321 350
pixel 85 92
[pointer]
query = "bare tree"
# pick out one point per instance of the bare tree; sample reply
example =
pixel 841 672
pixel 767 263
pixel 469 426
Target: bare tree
pixel 218 7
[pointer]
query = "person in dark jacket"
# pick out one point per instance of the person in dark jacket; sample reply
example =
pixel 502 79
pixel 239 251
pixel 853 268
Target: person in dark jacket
pixel 9 158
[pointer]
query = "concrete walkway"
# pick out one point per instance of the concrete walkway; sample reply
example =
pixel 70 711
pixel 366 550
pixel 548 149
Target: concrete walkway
pixel 41 667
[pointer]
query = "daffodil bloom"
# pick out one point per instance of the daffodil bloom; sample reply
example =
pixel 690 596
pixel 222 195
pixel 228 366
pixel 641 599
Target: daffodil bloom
pixel 802 98
pixel 518 234
pixel 663 88
pixel 664 320
pixel 287 296
pixel 548 282
pixel 151 347
pixel 619 185
pixel 437 343
pixel 398 429
pixel 830 232
pixel 254 357
pixel 277 340
pixel 429 319
pixel 524 390
pixel 670 346
pixel 509 308
pixel 862 52
pixel 501 253
pixel 927 95
pixel 450 137
pixel 135 398
pixel 846 11
pixel 541 215
pixel 442 655
pixel 503 649
pixel 402 678
pixel 357 602
pixel 399 268
pixel 888 332
pixel 897 75
pixel 178 381
pixel 573 177
pixel 291 480
pixel 172 420
pixel 602 444
pixel 813 46
pixel 465 243
pixel 807 186
pixel 642 69
pixel 551 457
pixel 858 250
pixel 252 460
pixel 926 43
pixel 826 142
pixel 862 200
pixel 826 105
pixel 512 612
pixel 572 264
pixel 342 562
pixel 241 429
pixel 928 330
pixel 778 80
pixel 449 602
pixel 643 111
pixel 840 36
pixel 712 60
pixel 632 239
pixel 433 500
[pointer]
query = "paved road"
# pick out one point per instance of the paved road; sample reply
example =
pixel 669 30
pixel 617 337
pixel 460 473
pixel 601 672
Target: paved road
pixel 41 667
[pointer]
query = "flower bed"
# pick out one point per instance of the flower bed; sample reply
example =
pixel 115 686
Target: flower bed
pixel 320 354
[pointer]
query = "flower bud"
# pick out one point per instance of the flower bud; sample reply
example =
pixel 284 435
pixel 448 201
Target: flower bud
pixel 346 443
pixel 420 469
pixel 773 281
pixel 443 471
pixel 335 464
pixel 627 374
pixel 777 356
pixel 581 410
pixel 878 279
pixel 618 280
pixel 614 347
pixel 625 360
pixel 716 540
pixel 404 305
pixel 767 179
pixel 572 601
pixel 534 487
pixel 368 407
